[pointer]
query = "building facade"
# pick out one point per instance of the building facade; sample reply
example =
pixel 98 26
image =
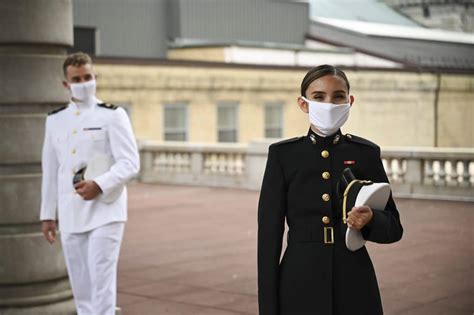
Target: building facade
pixel 145 28
pixel 217 102
pixel 229 71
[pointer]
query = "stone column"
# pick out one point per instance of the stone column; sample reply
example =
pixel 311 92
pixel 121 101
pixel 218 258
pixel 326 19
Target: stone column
pixel 34 36
pixel 257 154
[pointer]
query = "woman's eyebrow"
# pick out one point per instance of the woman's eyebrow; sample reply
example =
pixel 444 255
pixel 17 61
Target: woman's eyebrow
pixel 318 92
pixel 339 91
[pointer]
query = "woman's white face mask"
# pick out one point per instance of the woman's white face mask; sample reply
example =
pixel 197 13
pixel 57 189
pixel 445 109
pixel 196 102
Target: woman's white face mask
pixel 83 92
pixel 327 117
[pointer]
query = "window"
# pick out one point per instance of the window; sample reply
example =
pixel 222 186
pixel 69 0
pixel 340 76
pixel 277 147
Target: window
pixel 227 122
pixel 84 40
pixel 426 11
pixel 273 120
pixel 175 122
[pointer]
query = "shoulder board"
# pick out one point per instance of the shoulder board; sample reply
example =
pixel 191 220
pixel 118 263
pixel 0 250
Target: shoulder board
pixel 56 110
pixel 360 140
pixel 289 140
pixel 108 106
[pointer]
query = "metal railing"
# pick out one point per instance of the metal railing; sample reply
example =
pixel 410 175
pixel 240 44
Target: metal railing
pixel 434 173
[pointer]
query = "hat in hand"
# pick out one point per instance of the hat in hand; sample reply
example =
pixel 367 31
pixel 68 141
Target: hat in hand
pixel 356 193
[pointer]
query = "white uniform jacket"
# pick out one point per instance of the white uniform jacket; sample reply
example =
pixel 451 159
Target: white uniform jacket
pixel 73 136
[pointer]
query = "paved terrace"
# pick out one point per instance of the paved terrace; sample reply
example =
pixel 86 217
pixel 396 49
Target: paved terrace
pixel 192 250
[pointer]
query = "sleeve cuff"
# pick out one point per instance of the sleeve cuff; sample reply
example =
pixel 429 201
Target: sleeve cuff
pixel 101 181
pixel 369 226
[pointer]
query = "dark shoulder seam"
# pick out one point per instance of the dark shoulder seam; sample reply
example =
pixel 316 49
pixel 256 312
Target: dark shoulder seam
pixel 108 106
pixel 361 140
pixel 287 141
pixel 56 110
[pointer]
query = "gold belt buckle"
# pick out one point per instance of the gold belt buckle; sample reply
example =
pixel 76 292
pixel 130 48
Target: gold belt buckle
pixel 330 239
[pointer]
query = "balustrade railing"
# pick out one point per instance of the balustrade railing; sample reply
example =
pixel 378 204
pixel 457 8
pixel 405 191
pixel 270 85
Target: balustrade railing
pixel 439 173
pixel 436 173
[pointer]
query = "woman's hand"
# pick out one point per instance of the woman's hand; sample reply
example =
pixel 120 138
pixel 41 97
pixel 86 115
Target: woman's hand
pixel 358 217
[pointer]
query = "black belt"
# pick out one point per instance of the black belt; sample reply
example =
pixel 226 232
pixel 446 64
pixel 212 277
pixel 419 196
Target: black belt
pixel 319 234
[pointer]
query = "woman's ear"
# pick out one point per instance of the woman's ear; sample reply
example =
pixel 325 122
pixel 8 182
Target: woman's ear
pixel 66 85
pixel 303 104
pixel 351 99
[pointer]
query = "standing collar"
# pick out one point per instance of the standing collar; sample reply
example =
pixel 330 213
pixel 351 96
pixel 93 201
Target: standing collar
pixel 85 105
pixel 334 139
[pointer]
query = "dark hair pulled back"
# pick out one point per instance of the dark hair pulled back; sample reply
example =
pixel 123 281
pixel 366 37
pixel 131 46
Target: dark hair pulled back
pixel 321 71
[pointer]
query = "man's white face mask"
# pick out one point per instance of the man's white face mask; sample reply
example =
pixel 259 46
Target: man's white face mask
pixel 327 117
pixel 83 92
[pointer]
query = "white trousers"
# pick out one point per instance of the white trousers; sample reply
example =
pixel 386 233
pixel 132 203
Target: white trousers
pixel 91 260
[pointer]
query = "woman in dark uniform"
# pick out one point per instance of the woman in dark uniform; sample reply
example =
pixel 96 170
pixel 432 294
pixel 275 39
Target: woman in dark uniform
pixel 318 275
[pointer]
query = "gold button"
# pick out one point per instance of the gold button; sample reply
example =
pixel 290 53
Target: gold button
pixel 78 113
pixel 73 151
pixel 326 197
pixel 325 154
pixel 326 220
pixel 349 136
pixel 326 175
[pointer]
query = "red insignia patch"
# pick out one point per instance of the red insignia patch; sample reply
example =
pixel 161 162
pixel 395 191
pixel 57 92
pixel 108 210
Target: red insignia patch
pixel 350 162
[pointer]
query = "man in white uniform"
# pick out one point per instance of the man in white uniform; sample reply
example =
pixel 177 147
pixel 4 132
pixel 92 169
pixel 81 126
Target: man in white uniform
pixel 92 212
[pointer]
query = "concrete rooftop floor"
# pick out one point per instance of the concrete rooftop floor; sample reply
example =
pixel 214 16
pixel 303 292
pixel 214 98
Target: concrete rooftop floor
pixel 192 250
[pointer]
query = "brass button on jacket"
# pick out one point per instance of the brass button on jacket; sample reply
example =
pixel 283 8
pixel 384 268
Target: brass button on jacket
pixel 325 154
pixel 326 220
pixel 326 175
pixel 293 187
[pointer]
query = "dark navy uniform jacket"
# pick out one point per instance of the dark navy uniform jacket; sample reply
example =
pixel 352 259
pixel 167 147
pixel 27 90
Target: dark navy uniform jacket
pixel 318 275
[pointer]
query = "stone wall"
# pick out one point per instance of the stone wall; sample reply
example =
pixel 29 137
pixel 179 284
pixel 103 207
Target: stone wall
pixel 393 108
pixel 34 35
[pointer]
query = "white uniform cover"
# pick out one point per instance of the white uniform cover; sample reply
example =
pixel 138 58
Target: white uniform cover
pixel 375 196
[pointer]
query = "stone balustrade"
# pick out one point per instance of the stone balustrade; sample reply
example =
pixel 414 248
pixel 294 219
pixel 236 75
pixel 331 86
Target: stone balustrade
pixel 434 173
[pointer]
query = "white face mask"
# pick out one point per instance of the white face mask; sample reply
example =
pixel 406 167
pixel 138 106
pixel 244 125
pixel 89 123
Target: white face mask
pixel 327 117
pixel 83 92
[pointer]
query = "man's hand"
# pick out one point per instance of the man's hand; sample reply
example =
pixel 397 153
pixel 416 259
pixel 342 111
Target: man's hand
pixel 48 227
pixel 88 189
pixel 358 217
